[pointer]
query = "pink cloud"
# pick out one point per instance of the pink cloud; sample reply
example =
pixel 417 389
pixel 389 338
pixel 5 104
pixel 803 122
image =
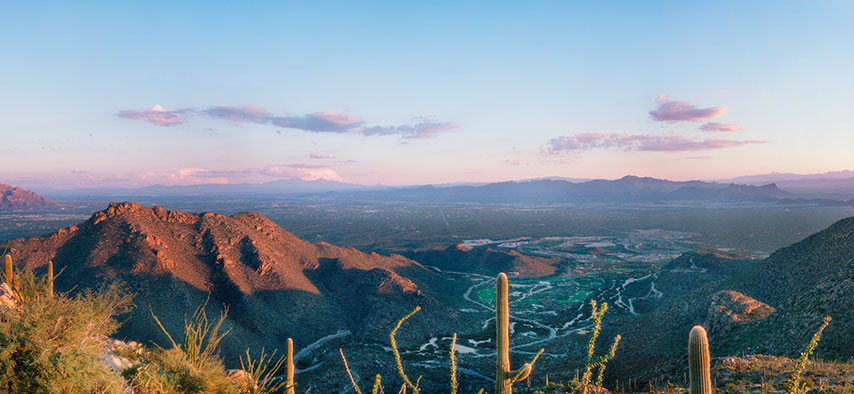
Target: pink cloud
pixel 239 114
pixel 196 176
pixel 683 111
pixel 668 142
pixel 303 173
pixel 319 156
pixel 155 115
pixel 327 121
pixel 721 127
pixel 515 161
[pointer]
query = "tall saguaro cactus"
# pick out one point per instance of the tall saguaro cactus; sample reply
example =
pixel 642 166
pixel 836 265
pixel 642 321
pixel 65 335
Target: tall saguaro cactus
pixel 50 279
pixel 289 368
pixel 504 376
pixel 8 275
pixel 699 362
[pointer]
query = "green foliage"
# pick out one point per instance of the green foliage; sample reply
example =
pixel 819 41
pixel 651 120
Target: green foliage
pixel 262 372
pixel 201 337
pixel 378 385
pixel 55 344
pixel 598 313
pixel 190 367
pixel 797 385
pixel 171 371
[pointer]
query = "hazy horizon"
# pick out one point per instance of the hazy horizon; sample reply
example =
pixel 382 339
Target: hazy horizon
pixel 135 94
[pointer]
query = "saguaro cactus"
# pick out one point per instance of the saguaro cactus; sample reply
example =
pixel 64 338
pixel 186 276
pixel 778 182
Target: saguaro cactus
pixel 50 279
pixel 8 275
pixel 289 368
pixel 699 362
pixel 504 376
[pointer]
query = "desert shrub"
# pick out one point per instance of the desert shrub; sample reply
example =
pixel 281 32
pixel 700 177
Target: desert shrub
pixel 192 366
pixel 55 344
pixel 171 371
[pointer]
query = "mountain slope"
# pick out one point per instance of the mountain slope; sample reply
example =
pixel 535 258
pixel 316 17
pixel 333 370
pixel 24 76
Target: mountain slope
pixel 801 283
pixel 486 261
pixel 274 284
pixel 16 198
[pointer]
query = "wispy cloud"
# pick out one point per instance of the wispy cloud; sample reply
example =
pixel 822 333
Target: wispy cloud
pixel 155 115
pixel 319 156
pixel 721 127
pixel 683 111
pixel 423 129
pixel 318 122
pixel 668 142
pixel 332 122
pixel 239 114
pixel 515 161
pixel 195 176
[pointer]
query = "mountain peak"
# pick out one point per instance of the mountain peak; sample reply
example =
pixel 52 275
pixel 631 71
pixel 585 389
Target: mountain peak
pixel 274 283
pixel 16 198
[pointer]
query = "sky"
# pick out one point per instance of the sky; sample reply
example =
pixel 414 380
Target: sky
pixel 127 94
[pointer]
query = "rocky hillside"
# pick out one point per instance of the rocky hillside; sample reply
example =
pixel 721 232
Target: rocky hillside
pixel 772 308
pixel 15 198
pixel 486 261
pixel 275 285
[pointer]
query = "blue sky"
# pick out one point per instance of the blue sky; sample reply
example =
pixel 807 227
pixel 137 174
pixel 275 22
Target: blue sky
pixel 412 93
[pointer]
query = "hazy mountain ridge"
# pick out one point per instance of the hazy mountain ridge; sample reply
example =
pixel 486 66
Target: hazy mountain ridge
pixel 628 189
pixel 16 198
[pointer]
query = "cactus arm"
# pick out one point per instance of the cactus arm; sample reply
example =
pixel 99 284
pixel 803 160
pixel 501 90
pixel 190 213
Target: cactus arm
pixel 289 368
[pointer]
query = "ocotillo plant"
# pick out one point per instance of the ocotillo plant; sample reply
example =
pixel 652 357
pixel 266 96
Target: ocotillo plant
pixel 504 376
pixel 797 385
pixel 289 368
pixel 699 362
pixel 598 313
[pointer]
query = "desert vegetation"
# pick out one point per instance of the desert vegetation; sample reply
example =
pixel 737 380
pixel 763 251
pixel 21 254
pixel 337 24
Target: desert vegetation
pixel 59 343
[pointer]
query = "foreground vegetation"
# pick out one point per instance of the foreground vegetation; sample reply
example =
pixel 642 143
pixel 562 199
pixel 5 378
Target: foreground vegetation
pixel 59 343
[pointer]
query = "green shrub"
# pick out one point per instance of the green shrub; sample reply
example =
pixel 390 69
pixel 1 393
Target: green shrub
pixel 55 344
pixel 193 366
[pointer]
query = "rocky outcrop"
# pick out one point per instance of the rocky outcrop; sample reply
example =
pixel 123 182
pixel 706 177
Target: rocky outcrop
pixel 730 308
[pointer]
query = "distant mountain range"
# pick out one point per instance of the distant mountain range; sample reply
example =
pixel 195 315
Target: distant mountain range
pixel 627 189
pixel 543 190
pixel 282 186
pixel 834 184
pixel 15 198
